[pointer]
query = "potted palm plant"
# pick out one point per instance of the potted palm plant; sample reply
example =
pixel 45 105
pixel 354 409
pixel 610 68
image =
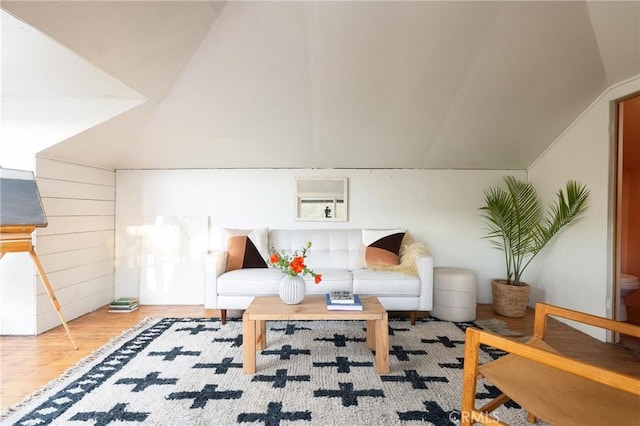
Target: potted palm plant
pixel 517 226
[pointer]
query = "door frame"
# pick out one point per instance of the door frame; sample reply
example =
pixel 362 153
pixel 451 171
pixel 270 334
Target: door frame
pixel 617 143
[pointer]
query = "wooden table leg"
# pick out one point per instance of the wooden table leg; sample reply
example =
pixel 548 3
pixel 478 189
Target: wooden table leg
pixel 261 335
pixel 248 345
pixel 371 334
pixel 382 345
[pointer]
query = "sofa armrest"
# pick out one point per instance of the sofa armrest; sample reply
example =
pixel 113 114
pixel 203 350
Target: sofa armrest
pixel 424 263
pixel 215 264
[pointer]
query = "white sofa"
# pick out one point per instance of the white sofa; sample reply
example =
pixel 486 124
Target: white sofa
pixel 337 254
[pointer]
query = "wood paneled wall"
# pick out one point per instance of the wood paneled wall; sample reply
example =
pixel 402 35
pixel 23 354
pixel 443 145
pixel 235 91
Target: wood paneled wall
pixel 77 247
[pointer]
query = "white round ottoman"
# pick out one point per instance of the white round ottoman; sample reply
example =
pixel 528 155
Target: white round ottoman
pixel 454 294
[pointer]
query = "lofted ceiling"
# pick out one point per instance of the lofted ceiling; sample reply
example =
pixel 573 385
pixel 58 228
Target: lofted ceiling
pixel 331 84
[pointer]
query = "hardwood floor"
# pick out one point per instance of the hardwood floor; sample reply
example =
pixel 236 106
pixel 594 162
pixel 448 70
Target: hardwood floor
pixel 28 363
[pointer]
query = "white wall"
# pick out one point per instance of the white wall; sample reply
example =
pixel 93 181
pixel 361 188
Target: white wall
pixel 575 271
pixel 17 304
pixel 439 207
pixel 76 248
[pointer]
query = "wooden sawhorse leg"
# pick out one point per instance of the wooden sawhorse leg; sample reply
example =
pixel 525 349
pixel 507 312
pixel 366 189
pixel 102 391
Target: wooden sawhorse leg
pixel 50 293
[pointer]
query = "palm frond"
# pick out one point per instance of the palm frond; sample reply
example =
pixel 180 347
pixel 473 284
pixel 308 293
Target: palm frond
pixel 567 209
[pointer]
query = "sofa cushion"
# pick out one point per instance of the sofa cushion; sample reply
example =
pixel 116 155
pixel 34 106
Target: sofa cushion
pixel 264 282
pixel 331 248
pixel 385 283
pixel 332 279
pixel 382 246
pixel 252 282
pixel 247 248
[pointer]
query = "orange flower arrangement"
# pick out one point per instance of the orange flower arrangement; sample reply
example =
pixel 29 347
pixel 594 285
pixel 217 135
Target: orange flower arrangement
pixel 293 264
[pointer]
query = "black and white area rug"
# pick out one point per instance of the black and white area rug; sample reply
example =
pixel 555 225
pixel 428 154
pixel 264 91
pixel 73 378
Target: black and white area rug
pixel 188 371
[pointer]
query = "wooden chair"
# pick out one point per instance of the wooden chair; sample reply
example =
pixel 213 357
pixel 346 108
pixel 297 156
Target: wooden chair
pixel 550 386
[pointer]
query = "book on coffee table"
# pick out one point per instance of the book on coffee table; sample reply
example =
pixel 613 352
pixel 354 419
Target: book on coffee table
pixel 341 296
pixel 355 306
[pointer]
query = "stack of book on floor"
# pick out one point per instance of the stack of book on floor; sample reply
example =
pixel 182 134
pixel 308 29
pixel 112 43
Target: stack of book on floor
pixel 343 301
pixel 124 305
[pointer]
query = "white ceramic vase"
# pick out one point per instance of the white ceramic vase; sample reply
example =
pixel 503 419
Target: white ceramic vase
pixel 292 289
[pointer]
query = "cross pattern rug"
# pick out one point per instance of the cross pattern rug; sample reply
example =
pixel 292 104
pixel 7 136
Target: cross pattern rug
pixel 188 371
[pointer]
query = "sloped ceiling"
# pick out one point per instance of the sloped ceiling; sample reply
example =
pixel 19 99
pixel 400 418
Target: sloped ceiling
pixel 145 44
pixel 483 85
pixel 41 105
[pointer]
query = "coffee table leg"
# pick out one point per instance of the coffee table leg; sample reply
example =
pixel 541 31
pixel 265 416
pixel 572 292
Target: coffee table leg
pixel 261 335
pixel 248 345
pixel 382 345
pixel 371 334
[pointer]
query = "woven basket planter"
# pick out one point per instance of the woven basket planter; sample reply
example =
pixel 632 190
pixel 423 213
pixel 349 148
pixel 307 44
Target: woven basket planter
pixel 510 300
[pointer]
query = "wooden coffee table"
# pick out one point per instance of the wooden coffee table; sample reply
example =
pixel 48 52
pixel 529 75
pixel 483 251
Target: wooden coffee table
pixel 271 308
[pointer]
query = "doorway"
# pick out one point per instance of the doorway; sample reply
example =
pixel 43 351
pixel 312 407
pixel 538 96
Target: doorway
pixel 627 204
